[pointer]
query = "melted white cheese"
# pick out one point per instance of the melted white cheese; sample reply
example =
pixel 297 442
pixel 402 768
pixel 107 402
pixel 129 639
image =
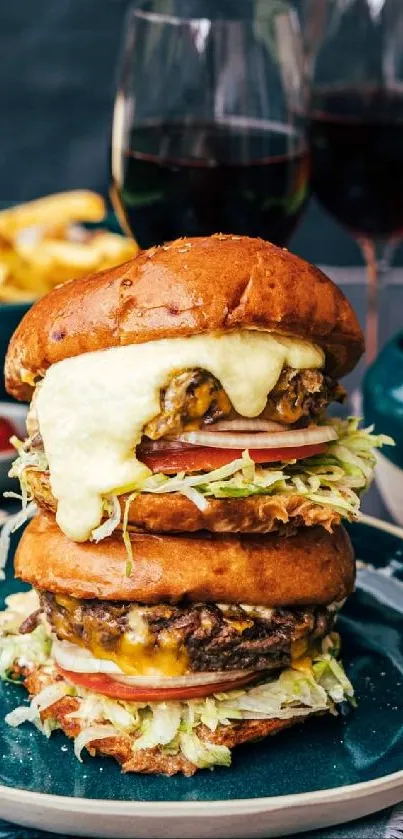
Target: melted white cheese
pixel 92 408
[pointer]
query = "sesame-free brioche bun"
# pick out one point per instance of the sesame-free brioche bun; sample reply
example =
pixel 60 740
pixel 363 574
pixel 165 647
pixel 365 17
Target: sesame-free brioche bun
pixel 313 567
pixel 174 513
pixel 186 287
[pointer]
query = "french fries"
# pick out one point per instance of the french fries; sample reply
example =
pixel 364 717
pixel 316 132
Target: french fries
pixel 43 244
pixel 60 209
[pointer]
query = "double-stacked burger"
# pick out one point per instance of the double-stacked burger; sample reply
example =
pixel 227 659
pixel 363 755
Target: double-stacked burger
pixel 187 554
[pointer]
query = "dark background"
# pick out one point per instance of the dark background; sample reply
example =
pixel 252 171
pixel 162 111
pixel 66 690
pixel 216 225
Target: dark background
pixel 57 79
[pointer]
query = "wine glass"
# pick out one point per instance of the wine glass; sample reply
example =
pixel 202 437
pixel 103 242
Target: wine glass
pixel 209 131
pixel 356 134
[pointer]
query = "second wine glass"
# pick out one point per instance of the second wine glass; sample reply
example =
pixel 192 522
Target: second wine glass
pixel 356 134
pixel 209 130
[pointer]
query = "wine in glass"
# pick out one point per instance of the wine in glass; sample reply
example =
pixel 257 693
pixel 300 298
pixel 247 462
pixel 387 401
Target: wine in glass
pixel 209 132
pixel 356 136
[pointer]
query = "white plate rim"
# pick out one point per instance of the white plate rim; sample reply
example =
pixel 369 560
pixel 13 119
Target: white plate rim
pixel 173 809
pixel 243 806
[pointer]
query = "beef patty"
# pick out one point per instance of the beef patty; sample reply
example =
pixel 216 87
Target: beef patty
pixel 211 636
pixel 195 396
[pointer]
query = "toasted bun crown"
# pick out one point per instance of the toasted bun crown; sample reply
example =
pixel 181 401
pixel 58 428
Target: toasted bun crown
pixel 183 288
pixel 313 567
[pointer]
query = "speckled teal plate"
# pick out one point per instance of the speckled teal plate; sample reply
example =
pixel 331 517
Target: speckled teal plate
pixel 301 778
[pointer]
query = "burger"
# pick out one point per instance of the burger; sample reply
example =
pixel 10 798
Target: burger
pixel 187 555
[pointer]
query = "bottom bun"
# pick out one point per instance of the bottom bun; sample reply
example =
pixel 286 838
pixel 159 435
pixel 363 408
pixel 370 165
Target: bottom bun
pixel 154 761
pixel 312 568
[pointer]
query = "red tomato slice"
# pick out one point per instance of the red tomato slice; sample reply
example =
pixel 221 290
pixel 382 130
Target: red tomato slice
pixel 101 683
pixel 205 458
pixel 7 430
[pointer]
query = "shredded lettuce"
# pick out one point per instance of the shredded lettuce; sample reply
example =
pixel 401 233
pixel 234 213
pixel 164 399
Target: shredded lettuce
pixel 32 713
pixel 27 459
pixel 160 727
pixel 30 651
pixel 12 524
pixel 310 685
pixel 112 509
pixel 126 536
pixel 203 754
pixel 89 735
pixel 336 478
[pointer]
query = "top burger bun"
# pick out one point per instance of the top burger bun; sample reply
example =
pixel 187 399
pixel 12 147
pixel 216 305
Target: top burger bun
pixel 186 287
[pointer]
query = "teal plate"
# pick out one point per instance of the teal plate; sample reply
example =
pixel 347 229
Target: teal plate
pixel 314 763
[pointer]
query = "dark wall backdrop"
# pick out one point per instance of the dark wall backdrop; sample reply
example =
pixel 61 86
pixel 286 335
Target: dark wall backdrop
pixel 57 70
pixel 57 79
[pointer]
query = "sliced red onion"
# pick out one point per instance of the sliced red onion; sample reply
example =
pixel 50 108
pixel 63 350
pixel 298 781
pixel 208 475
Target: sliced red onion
pixel 283 439
pixel 163 445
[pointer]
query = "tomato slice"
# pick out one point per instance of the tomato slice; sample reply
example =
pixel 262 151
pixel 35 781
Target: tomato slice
pixel 205 458
pixel 101 683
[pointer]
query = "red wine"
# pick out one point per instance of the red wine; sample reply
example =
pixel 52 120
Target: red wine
pixel 356 138
pixel 194 179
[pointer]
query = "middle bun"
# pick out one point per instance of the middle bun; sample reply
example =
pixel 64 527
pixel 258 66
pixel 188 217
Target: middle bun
pixel 174 513
pixel 313 567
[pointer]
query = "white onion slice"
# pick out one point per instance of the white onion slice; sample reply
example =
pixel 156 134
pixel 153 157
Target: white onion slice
pixel 191 680
pixel 245 424
pixel 283 439
pixel 79 660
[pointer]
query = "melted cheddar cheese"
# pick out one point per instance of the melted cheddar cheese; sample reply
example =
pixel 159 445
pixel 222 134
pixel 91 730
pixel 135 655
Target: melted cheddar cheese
pixel 134 651
pixel 143 659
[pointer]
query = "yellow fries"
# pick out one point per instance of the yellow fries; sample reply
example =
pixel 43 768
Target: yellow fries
pixel 62 209
pixel 42 244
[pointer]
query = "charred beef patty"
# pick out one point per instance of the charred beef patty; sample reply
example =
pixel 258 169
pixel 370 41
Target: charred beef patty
pixel 195 395
pixel 212 637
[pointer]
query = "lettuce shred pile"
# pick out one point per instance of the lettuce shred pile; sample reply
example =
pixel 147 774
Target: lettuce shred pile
pixel 336 478
pixel 313 684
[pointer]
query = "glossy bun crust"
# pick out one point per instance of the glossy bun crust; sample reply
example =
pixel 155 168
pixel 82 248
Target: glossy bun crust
pixel 186 287
pixel 313 567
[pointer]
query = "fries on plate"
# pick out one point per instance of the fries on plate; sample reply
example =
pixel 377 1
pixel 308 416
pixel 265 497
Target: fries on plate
pixel 44 243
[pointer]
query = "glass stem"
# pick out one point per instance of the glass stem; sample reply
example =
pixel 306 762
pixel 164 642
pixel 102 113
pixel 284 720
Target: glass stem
pixel 378 257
